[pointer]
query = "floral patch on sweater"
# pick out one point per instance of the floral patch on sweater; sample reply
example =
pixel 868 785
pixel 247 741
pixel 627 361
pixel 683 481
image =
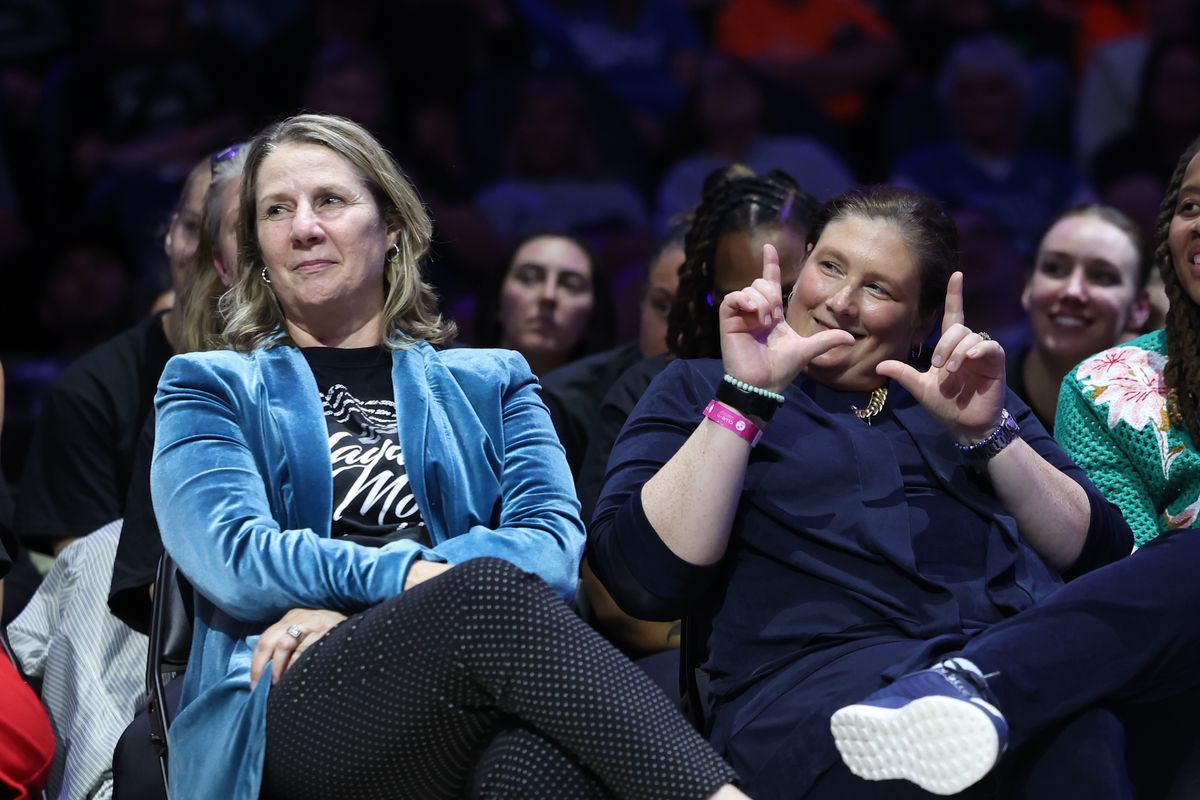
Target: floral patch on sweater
pixel 1129 381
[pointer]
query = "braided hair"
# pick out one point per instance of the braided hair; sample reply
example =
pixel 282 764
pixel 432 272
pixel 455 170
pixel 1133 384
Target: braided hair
pixel 734 200
pixel 1182 373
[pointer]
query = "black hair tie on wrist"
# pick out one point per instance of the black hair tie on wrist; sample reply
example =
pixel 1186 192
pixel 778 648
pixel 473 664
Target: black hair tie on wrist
pixel 749 403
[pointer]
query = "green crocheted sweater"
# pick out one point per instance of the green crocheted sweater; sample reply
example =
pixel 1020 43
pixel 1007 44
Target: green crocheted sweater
pixel 1112 419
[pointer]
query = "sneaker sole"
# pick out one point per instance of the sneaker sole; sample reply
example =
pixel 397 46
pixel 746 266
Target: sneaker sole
pixel 941 744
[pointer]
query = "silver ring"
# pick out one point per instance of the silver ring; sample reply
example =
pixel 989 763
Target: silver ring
pixel 295 632
pixel 984 335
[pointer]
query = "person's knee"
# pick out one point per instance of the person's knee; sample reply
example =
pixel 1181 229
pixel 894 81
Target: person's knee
pixel 498 580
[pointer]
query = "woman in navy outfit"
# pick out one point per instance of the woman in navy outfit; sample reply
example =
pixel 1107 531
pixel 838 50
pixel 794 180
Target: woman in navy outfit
pixel 837 506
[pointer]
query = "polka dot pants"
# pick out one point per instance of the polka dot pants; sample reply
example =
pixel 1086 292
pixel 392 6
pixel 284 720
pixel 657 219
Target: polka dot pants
pixel 479 683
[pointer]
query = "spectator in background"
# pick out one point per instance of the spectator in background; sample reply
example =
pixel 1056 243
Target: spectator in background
pixel 136 771
pixel 833 49
pixel 77 470
pixel 644 52
pixel 658 292
pixel 738 213
pixel 133 110
pixel 573 392
pixel 993 277
pixel 350 80
pixel 1086 291
pixel 930 30
pixel 1129 415
pixel 1106 105
pixel 1168 116
pixel 202 281
pixel 26 739
pixel 728 115
pixel 986 165
pixel 88 292
pixel 554 180
pixel 552 306
pixel 1131 172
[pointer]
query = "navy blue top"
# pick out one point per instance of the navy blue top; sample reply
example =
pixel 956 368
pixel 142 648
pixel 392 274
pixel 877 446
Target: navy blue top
pixel 858 550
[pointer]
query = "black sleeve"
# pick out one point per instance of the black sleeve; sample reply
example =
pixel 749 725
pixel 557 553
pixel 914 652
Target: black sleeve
pixel 573 394
pixel 140 545
pixel 618 403
pixel 568 425
pixel 70 483
pixel 77 470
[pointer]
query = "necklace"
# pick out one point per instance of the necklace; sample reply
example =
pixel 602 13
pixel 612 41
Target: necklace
pixel 874 405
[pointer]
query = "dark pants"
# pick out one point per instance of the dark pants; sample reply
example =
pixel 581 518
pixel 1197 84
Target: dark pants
pixel 1127 634
pixel 1099 683
pixel 480 681
pixel 137 774
pixel 1119 644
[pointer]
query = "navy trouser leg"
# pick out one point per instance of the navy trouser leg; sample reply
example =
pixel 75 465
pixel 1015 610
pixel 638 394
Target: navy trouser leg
pixel 1126 633
pixel 1083 757
pixel 137 774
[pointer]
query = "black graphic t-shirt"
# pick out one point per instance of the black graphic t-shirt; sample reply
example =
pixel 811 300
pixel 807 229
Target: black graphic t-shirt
pixel 372 498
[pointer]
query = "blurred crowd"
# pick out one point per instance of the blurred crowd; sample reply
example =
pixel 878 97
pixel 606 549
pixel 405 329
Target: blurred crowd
pixel 597 118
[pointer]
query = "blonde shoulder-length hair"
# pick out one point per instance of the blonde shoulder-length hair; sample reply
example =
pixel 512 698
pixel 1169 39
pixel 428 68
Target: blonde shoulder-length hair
pixel 410 313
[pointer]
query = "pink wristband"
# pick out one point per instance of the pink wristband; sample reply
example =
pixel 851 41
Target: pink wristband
pixel 733 421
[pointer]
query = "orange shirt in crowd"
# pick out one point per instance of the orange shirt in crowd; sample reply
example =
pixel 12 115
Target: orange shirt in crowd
pixel 752 30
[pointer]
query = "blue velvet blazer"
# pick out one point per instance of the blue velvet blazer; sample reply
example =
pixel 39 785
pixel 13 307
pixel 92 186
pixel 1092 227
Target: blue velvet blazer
pixel 243 492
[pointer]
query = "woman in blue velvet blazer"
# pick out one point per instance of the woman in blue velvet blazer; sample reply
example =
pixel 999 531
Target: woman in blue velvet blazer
pixel 380 533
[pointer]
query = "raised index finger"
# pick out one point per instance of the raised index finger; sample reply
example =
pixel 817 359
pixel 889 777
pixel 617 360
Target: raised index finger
pixel 771 264
pixel 953 310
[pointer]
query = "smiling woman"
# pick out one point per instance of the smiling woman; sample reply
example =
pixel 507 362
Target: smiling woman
pixel 1087 290
pixel 863 280
pixel 381 532
pixel 1129 414
pixel 827 513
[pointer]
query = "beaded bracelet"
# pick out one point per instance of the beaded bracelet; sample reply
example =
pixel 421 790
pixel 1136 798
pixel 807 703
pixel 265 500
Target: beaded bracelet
pixel 751 403
pixel 746 387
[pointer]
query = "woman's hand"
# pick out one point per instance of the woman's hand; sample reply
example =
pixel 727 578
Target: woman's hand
pixel 964 388
pixel 757 344
pixel 421 570
pixel 282 648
